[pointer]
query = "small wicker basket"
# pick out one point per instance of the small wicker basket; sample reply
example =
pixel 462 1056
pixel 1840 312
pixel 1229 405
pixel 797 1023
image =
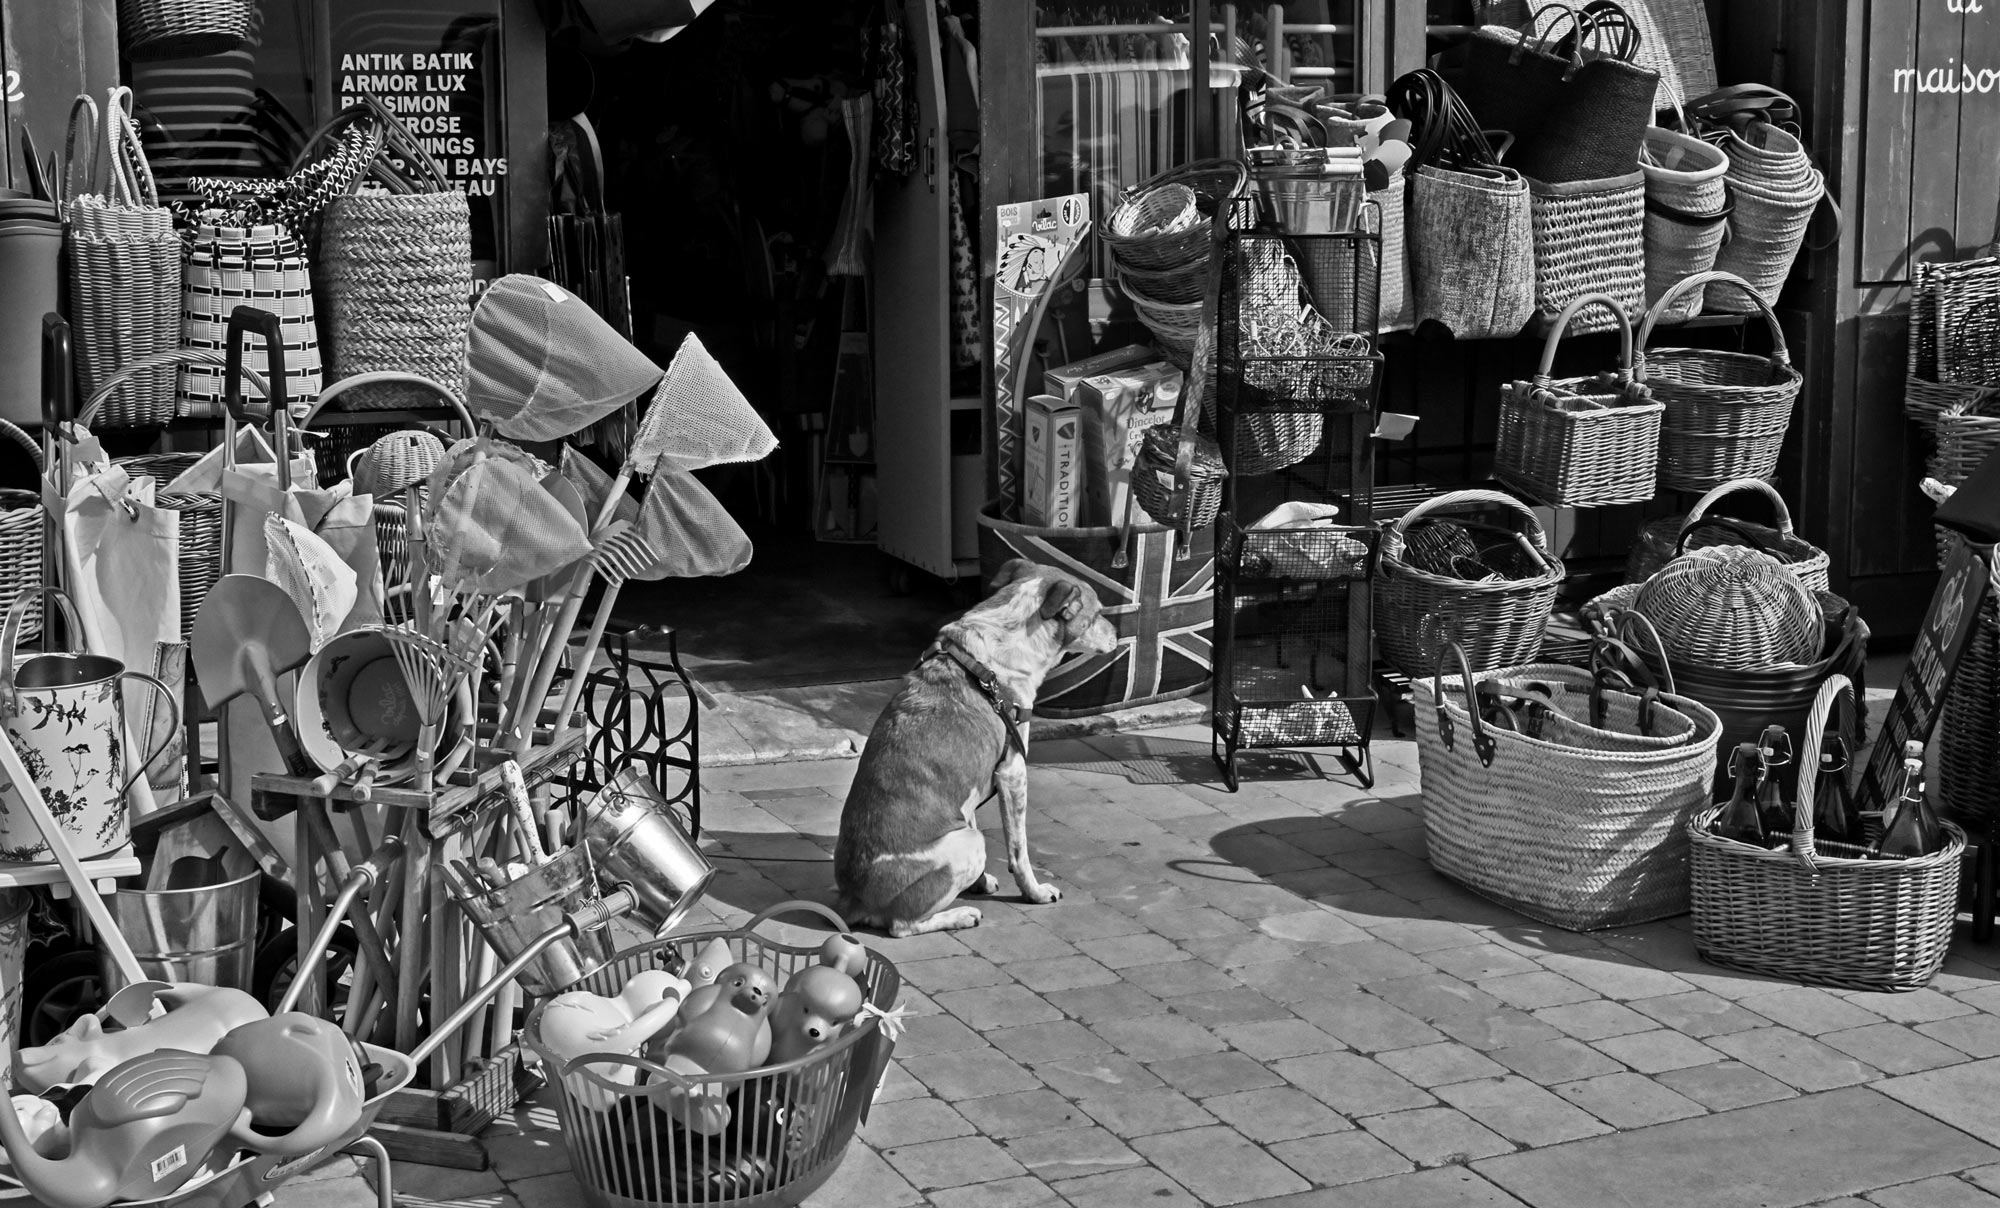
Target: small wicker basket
pixel 1582 441
pixel 184 29
pixel 1731 608
pixel 1153 476
pixel 23 532
pixel 1726 412
pixel 1149 228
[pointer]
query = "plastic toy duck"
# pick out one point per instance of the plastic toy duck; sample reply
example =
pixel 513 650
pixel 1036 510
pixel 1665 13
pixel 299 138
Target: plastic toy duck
pixel 195 1018
pixel 817 1005
pixel 845 953
pixel 728 1035
pixel 708 964
pixel 578 1022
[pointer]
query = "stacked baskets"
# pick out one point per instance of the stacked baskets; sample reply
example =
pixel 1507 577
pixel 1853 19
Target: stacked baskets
pixel 1159 238
pixel 1661 541
pixel 1687 215
pixel 1776 190
pixel 1726 412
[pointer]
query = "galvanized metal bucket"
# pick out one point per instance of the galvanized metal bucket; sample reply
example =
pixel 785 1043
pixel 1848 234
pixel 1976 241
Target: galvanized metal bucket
pixel 637 838
pixel 204 934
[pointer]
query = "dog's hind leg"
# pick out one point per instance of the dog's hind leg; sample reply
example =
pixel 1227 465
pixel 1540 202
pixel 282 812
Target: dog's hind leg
pixel 920 908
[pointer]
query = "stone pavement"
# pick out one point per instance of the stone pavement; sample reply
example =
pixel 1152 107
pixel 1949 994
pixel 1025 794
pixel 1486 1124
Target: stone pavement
pixel 1269 997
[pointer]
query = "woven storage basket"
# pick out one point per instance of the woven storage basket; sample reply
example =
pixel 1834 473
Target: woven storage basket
pixel 1726 412
pixel 1174 242
pixel 184 29
pixel 1661 541
pixel 1733 609
pixel 1925 395
pixel 1968 735
pixel 1582 826
pixel 123 267
pixel 1583 441
pixel 1967 431
pixel 1425 600
pixel 1687 214
pixel 1590 238
pixel 263 266
pixel 1823 912
pixel 1767 227
pixel 1472 251
pixel 1174 324
pixel 1966 298
pixel 395 276
pixel 1153 476
pixel 24 526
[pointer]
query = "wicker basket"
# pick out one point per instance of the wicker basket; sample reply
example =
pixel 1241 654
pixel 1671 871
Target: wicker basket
pixel 1687 214
pixel 1173 324
pixel 1726 412
pixel 1661 541
pixel 1590 238
pixel 1823 912
pixel 1583 825
pixel 1767 227
pixel 1149 233
pixel 1967 431
pixel 263 266
pixel 24 527
pixel 1925 394
pixel 1153 477
pixel 1967 301
pixel 1583 441
pixel 184 29
pixel 1968 733
pixel 1442 581
pixel 1732 609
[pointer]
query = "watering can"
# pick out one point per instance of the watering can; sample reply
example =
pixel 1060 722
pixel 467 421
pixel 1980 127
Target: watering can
pixel 65 715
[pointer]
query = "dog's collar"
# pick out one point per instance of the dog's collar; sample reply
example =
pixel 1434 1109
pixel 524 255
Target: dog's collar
pixel 1011 711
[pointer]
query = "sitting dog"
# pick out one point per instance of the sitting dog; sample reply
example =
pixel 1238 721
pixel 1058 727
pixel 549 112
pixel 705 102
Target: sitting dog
pixel 954 735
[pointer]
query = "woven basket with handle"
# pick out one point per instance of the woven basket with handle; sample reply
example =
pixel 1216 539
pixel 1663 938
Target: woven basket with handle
pixel 1926 395
pixel 1661 541
pixel 1151 227
pixel 1587 441
pixel 1822 912
pixel 1488 588
pixel 1726 412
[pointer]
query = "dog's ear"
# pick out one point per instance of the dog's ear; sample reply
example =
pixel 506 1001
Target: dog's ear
pixel 1063 599
pixel 1012 569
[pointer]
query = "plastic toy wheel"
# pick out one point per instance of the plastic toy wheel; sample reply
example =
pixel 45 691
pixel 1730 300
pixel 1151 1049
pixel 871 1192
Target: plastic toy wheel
pixel 278 962
pixel 58 992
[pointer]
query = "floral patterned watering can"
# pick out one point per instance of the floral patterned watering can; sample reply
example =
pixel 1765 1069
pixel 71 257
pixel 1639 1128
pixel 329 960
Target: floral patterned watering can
pixel 65 715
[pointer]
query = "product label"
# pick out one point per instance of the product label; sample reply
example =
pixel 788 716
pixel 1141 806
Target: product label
pixel 169 1162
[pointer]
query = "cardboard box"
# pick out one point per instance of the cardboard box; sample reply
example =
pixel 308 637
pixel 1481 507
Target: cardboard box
pixel 1062 380
pixel 1052 487
pixel 1117 409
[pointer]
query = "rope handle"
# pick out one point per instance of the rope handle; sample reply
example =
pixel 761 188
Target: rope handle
pixel 379 377
pixel 83 107
pixel 161 360
pixel 1836 692
pixel 1715 495
pixel 1392 537
pixel 1545 372
pixel 1780 353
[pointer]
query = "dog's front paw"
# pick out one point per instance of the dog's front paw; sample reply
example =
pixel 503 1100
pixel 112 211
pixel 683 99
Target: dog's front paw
pixel 1041 893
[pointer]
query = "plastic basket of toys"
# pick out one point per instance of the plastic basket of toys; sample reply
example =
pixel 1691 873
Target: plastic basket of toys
pixel 720 1066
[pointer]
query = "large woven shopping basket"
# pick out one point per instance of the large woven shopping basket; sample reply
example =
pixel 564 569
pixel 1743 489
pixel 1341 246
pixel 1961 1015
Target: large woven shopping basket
pixel 1486 587
pixel 1589 441
pixel 1727 412
pixel 1559 796
pixel 1821 912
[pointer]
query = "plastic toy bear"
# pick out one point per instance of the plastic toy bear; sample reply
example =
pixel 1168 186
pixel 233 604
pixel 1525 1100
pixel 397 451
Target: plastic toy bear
pixel 817 1005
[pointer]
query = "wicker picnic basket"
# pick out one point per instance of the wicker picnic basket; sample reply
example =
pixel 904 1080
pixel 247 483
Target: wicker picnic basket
pixel 1726 412
pixel 1153 476
pixel 1822 912
pixel 23 534
pixel 1731 608
pixel 1587 441
pixel 1661 541
pixel 1590 238
pixel 184 29
pixel 1557 796
pixel 1926 394
pixel 1687 214
pixel 1487 587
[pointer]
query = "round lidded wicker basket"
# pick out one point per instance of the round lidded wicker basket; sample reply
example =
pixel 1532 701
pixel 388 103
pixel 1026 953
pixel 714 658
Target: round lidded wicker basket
pixel 1732 608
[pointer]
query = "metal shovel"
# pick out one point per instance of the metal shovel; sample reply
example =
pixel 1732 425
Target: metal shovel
pixel 247 634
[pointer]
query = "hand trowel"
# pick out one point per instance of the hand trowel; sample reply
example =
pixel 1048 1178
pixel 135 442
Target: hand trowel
pixel 247 634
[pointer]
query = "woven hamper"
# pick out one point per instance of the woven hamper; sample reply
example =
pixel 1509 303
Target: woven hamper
pixel 1729 608
pixel 1767 227
pixel 1582 826
pixel 1726 412
pixel 1442 580
pixel 184 29
pixel 1661 541
pixel 1590 238
pixel 1823 912
pixel 1583 441
pixel 1925 395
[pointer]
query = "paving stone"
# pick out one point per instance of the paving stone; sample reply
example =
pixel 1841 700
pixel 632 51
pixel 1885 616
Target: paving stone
pixel 1553 1061
pixel 1091 1004
pixel 952 973
pixel 1973 1035
pixel 913 1121
pixel 1197 923
pixel 1966 1096
pixel 1077 921
pixel 1437 1136
pixel 952 1163
pixel 925 1034
pixel 1377 863
pixel 353 1189
pixel 1595 1019
pixel 1533 991
pixel 1445 1187
pixel 1125 951
pixel 1425 935
pixel 1628 1100
pixel 1657 1051
pixel 1504 1028
pixel 1987 1177
pixel 1062 973
pixel 424 1182
pixel 1158 1037
pixel 1330 837
pixel 1699 1014
pixel 1859 1140
pixel 1020 1114
pixel 989 1007
pixel 1367 963
pixel 1893 1048
pixel 1103 1074
pixel 1017 942
pixel 1318 884
pixel 1249 901
pixel 1796 1060
pixel 1238 1005
pixel 1724 1086
pixel 1480 962
pixel 1140 1188
pixel 1367 1023
pixel 897 1085
pixel 1236 951
pixel 1177 978
pixel 1072 1153
pixel 1351 1084
pixel 1615 975
pixel 1024 1191
pixel 1220 1165
pixel 1295 980
pixel 1916 1006
pixel 1276 1114
pixel 526 1155
pixel 1810 1010
pixel 1431 1065
pixel 1264 853
pixel 1940 1192
pixel 1521 1111
pixel 1375 816
pixel 1313 927
pixel 969 1074
pixel 864 1180
pixel 1215 1074
pixel 1143 1113
pixel 1342 1158
pixel 1435 996
pixel 1054 1041
pixel 1270 1039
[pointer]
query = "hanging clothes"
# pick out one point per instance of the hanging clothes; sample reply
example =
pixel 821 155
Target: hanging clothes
pixel 961 91
pixel 895 96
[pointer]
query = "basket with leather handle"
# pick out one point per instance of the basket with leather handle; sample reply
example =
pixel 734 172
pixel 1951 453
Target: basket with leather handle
pixel 1661 541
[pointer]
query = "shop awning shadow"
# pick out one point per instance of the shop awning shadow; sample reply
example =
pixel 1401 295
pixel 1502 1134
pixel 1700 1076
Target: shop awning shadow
pixel 1150 759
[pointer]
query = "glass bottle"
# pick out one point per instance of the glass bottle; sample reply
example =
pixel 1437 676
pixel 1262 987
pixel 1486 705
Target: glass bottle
pixel 1915 830
pixel 1738 819
pixel 1772 810
pixel 1834 816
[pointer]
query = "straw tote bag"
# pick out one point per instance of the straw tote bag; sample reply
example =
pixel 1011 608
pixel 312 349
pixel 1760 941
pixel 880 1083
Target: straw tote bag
pixel 123 263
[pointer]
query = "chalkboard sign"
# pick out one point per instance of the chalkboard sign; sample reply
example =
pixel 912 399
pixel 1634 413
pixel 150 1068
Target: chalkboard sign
pixel 1948 626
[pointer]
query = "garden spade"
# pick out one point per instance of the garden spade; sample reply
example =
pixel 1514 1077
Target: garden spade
pixel 247 634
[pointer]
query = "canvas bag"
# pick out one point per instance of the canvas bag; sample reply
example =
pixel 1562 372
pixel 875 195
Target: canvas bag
pixel 1577 107
pixel 1472 250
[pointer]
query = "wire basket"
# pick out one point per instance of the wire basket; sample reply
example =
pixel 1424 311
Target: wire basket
pixel 1489 588
pixel 1726 412
pixel 779 1132
pixel 1823 912
pixel 1156 233
pixel 1731 608
pixel 1582 441
pixel 1661 541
